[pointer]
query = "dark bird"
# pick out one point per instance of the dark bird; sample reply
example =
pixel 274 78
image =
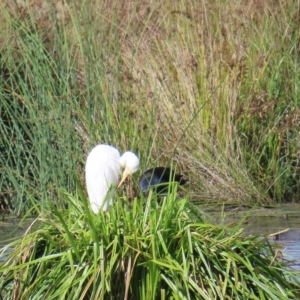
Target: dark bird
pixel 159 179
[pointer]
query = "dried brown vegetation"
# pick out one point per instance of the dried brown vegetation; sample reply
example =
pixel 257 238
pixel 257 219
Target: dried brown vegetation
pixel 207 83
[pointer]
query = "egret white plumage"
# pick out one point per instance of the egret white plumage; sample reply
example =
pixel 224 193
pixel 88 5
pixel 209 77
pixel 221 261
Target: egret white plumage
pixel 159 178
pixel 103 167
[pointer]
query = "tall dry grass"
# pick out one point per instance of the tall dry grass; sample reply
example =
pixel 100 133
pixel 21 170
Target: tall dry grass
pixel 209 86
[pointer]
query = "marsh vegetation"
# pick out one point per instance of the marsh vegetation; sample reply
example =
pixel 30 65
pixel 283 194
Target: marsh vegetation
pixel 209 87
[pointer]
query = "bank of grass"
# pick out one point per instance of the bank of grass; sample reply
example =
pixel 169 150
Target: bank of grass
pixel 141 249
pixel 210 87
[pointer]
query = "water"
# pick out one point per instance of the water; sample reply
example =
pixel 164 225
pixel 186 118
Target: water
pixel 281 226
pixel 287 237
pixel 10 230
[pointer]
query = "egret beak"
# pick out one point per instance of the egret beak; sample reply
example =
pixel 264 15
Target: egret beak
pixel 125 175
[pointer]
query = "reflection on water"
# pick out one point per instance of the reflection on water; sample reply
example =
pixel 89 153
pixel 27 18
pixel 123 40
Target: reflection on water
pixel 4 252
pixel 10 230
pixel 288 237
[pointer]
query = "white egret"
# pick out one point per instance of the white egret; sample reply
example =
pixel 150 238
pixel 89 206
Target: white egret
pixel 103 167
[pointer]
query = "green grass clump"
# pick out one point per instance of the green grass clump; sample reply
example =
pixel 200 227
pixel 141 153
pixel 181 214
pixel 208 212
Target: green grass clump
pixel 141 250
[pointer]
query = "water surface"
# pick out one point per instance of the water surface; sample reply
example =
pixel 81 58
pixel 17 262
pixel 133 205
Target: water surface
pixel 287 237
pixel 281 226
pixel 10 230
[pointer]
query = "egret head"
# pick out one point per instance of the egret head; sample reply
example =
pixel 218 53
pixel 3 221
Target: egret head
pixel 130 163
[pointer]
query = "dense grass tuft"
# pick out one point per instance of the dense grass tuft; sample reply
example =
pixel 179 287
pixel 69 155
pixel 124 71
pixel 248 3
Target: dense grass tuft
pixel 141 250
